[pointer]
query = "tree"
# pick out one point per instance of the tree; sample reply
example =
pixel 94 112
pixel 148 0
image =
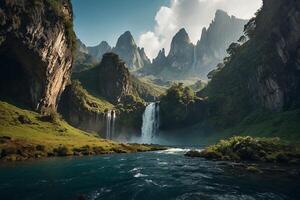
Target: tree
pixel 233 48
pixel 242 39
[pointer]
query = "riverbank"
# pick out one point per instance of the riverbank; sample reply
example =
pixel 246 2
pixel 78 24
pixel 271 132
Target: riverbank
pixel 20 150
pixel 250 149
pixel 27 135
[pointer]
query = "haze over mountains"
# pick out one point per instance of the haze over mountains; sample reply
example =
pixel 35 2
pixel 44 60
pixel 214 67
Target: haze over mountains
pixel 185 59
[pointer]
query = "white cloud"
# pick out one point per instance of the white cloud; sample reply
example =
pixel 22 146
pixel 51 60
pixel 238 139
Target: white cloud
pixel 151 42
pixel 192 15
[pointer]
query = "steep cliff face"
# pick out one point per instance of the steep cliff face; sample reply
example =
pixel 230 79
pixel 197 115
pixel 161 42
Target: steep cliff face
pixel 263 73
pixel 99 50
pixel 36 43
pixel 278 79
pixel 128 51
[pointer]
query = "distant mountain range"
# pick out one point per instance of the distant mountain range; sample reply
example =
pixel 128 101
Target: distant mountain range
pixel 134 57
pixel 184 60
pixel 187 60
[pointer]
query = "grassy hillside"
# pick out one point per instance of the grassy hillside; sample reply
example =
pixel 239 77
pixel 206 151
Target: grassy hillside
pixel 285 125
pixel 87 101
pixel 25 134
pixel 145 89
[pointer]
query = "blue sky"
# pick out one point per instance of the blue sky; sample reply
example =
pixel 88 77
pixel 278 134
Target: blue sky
pixel 97 20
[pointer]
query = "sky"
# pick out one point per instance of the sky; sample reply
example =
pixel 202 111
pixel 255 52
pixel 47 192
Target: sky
pixel 152 23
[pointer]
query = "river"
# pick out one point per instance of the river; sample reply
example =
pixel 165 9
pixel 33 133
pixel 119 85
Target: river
pixel 152 175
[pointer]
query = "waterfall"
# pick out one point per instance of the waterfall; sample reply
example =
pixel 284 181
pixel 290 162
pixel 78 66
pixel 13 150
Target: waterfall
pixel 150 123
pixel 113 124
pixel 110 124
pixel 195 59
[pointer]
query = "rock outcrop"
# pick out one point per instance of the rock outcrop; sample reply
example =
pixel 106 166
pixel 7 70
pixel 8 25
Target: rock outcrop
pixel 113 78
pixel 99 50
pixel 36 43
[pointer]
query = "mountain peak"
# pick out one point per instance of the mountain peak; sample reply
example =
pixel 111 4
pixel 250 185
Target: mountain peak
pixel 125 39
pixel 103 43
pixel 126 34
pixel 182 31
pixel 221 14
pixel 128 51
pixel 181 37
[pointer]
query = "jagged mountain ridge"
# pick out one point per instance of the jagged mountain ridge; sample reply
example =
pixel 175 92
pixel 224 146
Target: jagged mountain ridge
pixel 186 59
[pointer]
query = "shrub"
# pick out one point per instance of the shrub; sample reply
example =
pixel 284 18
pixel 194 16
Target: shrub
pixel 40 147
pixel 61 151
pixel 23 119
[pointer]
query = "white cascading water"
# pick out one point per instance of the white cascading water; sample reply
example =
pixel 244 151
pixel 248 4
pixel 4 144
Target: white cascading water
pixel 195 59
pixel 113 124
pixel 150 123
pixel 110 124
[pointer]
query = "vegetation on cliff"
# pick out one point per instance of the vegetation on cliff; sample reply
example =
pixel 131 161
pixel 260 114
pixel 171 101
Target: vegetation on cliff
pixel 259 77
pixel 81 98
pixel 59 7
pixel 180 107
pixel 115 81
pixel 145 90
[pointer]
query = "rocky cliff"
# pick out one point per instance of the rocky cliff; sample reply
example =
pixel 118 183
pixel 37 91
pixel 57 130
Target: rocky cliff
pixel 36 43
pixel 113 78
